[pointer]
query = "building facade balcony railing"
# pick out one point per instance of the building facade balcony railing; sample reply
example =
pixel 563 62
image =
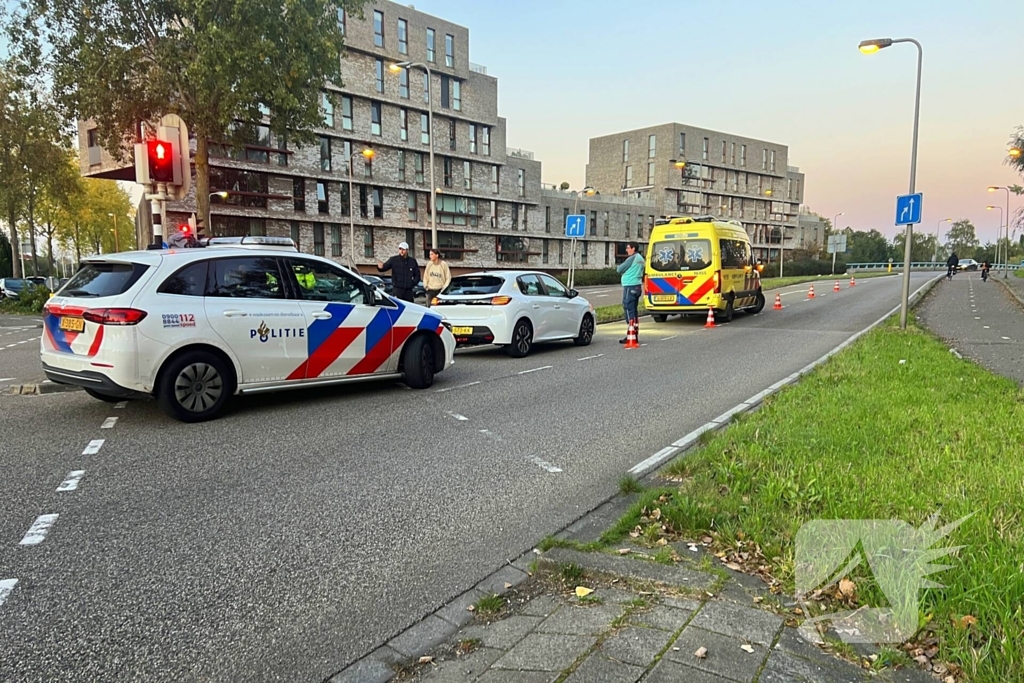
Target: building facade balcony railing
pixel 478 68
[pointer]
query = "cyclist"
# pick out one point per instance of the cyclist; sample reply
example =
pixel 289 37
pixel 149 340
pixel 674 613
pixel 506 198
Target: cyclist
pixel 951 264
pixel 985 267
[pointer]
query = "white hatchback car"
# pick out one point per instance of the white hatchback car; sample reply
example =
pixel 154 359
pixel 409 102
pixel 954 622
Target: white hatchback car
pixel 193 327
pixel 515 309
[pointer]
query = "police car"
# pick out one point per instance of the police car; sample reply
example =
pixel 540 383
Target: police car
pixel 193 327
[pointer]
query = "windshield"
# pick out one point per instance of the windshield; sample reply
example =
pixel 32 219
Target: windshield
pixel 468 285
pixel 103 279
pixel 14 284
pixel 683 254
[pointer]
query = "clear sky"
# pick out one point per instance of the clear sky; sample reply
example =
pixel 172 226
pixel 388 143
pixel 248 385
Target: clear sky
pixel 787 71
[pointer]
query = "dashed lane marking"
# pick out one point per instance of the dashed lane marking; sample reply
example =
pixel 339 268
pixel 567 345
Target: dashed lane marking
pixel 544 465
pixel 36 533
pixel 590 357
pixel 1006 338
pixel 71 483
pixel 674 336
pixel 94 447
pixel 120 405
pixel 460 418
pixel 109 423
pixel 461 386
pixel 6 587
pixel 526 372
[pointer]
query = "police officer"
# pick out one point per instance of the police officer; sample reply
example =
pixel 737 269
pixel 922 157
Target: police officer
pixel 405 273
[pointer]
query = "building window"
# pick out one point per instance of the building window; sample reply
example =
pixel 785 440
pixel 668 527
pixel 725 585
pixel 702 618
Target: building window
pixel 449 50
pixel 403 84
pixel 789 188
pixel 639 226
pixel 773 161
pixel 328 111
pixel 378 202
pixel 629 176
pixel 403 117
pixel 426 88
pixel 682 144
pixel 424 129
pixel 511 248
pixel 447 171
pixel 401 165
pixel 650 173
pixel 318 239
pixel 764 159
pixel 627 225
pixel 380 75
pixel 345 200
pixel 706 149
pixel 410 201
pixel 299 194
pixel 375 115
pixel 346 112
pixel 325 154
pixel 419 167
pixel 446 86
pixel 452 245
pixel 430 45
pixel 651 146
pixel 723 151
pixel 743 155
pixel 495 179
pixel 521 181
pixel 544 250
pixel 295 233
pixel 625 151
pixel 452 142
pixel 485 140
pixel 547 222
pixel 467 175
pixel 322 200
pixel 341 20
pixel 565 219
pixel 732 153
pixel 335 240
pixel 410 239
pixel 561 251
pixel 364 202
pixel 606 253
pixel 472 138
pixel 403 36
pixel 515 216
pixel 494 214
pixel 583 252
pixel 593 223
pixel 346 150
pixel 368 243
pixel 378 28
pixel 367 168
pixel 457 95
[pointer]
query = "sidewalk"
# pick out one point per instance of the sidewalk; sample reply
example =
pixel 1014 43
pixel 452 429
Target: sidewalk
pixel 983 321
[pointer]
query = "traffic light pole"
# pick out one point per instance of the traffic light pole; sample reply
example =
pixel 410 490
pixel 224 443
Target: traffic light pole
pixel 158 205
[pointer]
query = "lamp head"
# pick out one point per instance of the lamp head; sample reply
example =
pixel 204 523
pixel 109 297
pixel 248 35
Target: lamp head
pixel 368 153
pixel 869 47
pixel 1014 152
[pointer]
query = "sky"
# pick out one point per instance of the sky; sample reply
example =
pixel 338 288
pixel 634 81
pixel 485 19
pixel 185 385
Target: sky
pixel 787 71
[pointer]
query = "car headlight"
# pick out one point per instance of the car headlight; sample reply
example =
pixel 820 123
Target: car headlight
pixel 447 325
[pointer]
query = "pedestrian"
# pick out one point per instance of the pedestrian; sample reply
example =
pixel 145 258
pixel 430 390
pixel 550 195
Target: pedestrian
pixel 405 273
pixel 436 276
pixel 632 272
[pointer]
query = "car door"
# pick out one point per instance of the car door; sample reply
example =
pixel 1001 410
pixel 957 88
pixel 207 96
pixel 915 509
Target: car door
pixel 540 308
pixel 567 313
pixel 248 306
pixel 349 331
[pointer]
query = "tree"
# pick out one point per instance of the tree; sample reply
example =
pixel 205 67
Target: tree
pixel 88 228
pixel 922 247
pixel 220 66
pixel 564 186
pixel 866 247
pixel 961 238
pixel 6 263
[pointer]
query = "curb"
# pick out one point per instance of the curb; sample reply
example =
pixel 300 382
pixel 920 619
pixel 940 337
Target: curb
pixel 435 628
pixel 1011 292
pixel 41 388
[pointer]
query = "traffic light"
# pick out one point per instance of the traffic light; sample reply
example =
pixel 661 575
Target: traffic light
pixel 160 157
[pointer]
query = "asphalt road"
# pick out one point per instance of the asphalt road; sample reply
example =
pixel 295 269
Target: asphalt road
pixel 19 350
pixel 302 530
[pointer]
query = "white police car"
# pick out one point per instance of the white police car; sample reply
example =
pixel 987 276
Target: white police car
pixel 193 327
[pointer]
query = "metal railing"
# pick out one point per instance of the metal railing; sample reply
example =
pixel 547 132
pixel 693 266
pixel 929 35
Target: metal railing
pixel 516 152
pixel 919 265
pixel 478 68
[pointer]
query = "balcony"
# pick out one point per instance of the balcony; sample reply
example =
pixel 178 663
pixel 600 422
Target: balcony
pixel 519 153
pixel 478 68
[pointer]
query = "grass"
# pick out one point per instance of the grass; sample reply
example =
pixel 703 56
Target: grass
pixel 571 573
pixel 629 484
pixel 1019 273
pixel 864 437
pixel 490 605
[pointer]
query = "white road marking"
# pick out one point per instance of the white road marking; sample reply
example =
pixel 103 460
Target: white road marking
pixel 460 418
pixel 109 423
pixel 977 317
pixel 986 327
pixel 526 372
pixel 6 587
pixel 71 483
pixel 1006 338
pixel 94 447
pixel 590 357
pixel 674 336
pixel 461 386
pixel 9 346
pixel 7 379
pixel 36 533
pixel 545 465
pixel 120 405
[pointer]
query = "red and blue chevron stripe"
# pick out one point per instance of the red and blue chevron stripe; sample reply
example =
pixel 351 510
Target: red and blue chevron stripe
pixel 62 340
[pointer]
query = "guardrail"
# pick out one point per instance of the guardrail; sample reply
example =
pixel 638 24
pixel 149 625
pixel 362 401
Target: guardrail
pixel 918 265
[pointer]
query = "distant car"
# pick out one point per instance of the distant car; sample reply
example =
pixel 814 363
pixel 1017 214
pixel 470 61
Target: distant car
pixel 419 290
pixel 375 281
pixel 11 288
pixel 514 309
pixel 967 264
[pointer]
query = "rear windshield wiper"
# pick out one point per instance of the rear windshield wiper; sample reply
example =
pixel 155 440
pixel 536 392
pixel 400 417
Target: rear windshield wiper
pixel 80 293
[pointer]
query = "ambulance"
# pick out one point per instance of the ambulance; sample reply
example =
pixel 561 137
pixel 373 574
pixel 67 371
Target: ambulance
pixel 696 263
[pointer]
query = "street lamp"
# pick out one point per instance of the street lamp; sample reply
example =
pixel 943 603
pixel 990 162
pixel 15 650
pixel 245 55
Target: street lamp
pixel 430 135
pixel 993 188
pixel 937 225
pixel 117 244
pixel 1014 152
pixel 367 153
pixel 999 232
pixel 681 165
pixel 835 228
pixel 870 47
pixel 589 191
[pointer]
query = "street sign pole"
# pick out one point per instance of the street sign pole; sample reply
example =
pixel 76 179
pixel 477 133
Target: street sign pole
pixel 572 261
pixel 575 228
pixel 908 212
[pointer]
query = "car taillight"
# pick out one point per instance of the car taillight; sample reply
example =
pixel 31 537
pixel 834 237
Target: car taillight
pixel 718 282
pixel 501 300
pixel 115 316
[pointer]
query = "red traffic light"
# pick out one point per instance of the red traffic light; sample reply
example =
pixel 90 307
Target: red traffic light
pixel 160 155
pixel 185 228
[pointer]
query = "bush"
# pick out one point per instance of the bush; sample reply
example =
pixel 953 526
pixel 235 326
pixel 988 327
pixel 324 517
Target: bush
pixel 31 301
pixel 591 278
pixel 805 267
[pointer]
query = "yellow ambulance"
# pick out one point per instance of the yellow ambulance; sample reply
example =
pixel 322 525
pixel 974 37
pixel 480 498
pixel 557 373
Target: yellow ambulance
pixel 694 263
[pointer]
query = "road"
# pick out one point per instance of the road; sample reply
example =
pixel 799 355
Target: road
pixel 19 350
pixel 303 530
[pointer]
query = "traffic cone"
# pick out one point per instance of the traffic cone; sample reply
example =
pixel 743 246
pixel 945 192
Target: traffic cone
pixel 836 288
pixel 711 317
pixel 631 342
pixel 853 283
pixel 778 302
pixel 810 294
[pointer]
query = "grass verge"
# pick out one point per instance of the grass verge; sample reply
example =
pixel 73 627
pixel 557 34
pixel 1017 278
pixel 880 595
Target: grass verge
pixel 866 437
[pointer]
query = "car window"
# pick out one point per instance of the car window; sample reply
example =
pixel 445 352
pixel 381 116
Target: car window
pixel 103 279
pixel 554 287
pixel 246 278
pixel 734 253
pixel 529 285
pixel 468 285
pixel 322 282
pixel 188 281
pixel 683 254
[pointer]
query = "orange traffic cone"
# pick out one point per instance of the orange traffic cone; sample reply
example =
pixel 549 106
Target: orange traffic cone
pixel 631 342
pixel 810 294
pixel 711 317
pixel 836 288
pixel 853 283
pixel 778 302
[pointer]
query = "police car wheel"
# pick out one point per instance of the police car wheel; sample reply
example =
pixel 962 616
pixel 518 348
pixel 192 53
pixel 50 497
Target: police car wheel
pixel 100 396
pixel 194 387
pixel 418 362
pixel 586 332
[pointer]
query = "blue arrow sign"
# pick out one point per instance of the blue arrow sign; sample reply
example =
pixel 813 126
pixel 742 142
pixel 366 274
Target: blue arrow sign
pixel 576 226
pixel 908 209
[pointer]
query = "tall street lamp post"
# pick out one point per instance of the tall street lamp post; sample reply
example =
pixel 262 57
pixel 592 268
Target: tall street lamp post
pixel 117 245
pixel 870 47
pixel 367 154
pixel 937 226
pixel 430 135
pixel 588 191
pixel 999 232
pixel 835 231
pixel 993 188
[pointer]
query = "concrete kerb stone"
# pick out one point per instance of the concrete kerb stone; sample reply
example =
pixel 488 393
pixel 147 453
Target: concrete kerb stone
pixel 1012 293
pixel 41 388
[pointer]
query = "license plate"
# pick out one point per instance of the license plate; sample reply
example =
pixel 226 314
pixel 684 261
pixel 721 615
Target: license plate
pixel 462 330
pixel 664 299
pixel 72 324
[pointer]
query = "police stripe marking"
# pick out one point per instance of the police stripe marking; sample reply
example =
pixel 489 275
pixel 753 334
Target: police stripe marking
pixel 71 483
pixel 36 533
pixel 6 588
pixel 94 447
pixel 109 423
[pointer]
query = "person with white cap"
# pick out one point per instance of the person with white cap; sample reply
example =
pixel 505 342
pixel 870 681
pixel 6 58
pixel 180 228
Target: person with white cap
pixel 405 273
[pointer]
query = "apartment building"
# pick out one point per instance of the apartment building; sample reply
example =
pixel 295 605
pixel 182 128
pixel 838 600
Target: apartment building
pixel 688 171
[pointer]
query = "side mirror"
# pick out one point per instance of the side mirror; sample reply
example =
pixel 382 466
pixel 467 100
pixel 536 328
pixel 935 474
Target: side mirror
pixel 378 295
pixel 573 294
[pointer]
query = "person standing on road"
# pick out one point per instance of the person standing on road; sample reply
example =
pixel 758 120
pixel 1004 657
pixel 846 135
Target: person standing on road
pixel 632 272
pixel 405 273
pixel 951 264
pixel 436 276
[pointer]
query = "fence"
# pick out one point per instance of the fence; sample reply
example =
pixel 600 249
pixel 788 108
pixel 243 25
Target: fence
pixel 919 265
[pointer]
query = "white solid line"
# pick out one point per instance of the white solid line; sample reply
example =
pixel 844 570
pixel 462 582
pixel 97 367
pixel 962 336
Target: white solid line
pixel 94 447
pixel 526 372
pixel 461 386
pixel 6 587
pixel 460 418
pixel 544 465
pixel 10 345
pixel 654 460
pixel 71 483
pixel 36 533
pixel 590 357
pixel 120 405
pixel 7 379
pixel 109 423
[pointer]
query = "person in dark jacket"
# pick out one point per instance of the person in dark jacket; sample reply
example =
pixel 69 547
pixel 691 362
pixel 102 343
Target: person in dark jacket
pixel 405 273
pixel 951 263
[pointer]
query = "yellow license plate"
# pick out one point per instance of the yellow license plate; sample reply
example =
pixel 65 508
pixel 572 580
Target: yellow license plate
pixel 462 330
pixel 72 324
pixel 664 298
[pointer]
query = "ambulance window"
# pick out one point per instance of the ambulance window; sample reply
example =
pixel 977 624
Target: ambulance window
pixel 682 254
pixel 734 253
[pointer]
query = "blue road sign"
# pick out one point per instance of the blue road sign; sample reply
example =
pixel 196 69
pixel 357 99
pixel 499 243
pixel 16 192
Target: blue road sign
pixel 908 209
pixel 576 226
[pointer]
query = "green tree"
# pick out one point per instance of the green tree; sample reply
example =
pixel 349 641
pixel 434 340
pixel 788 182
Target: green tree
pixel 87 227
pixel 6 263
pixel 866 247
pixel 220 66
pixel 922 247
pixel 961 238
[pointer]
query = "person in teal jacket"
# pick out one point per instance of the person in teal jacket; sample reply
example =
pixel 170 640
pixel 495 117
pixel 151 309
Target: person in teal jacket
pixel 632 272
